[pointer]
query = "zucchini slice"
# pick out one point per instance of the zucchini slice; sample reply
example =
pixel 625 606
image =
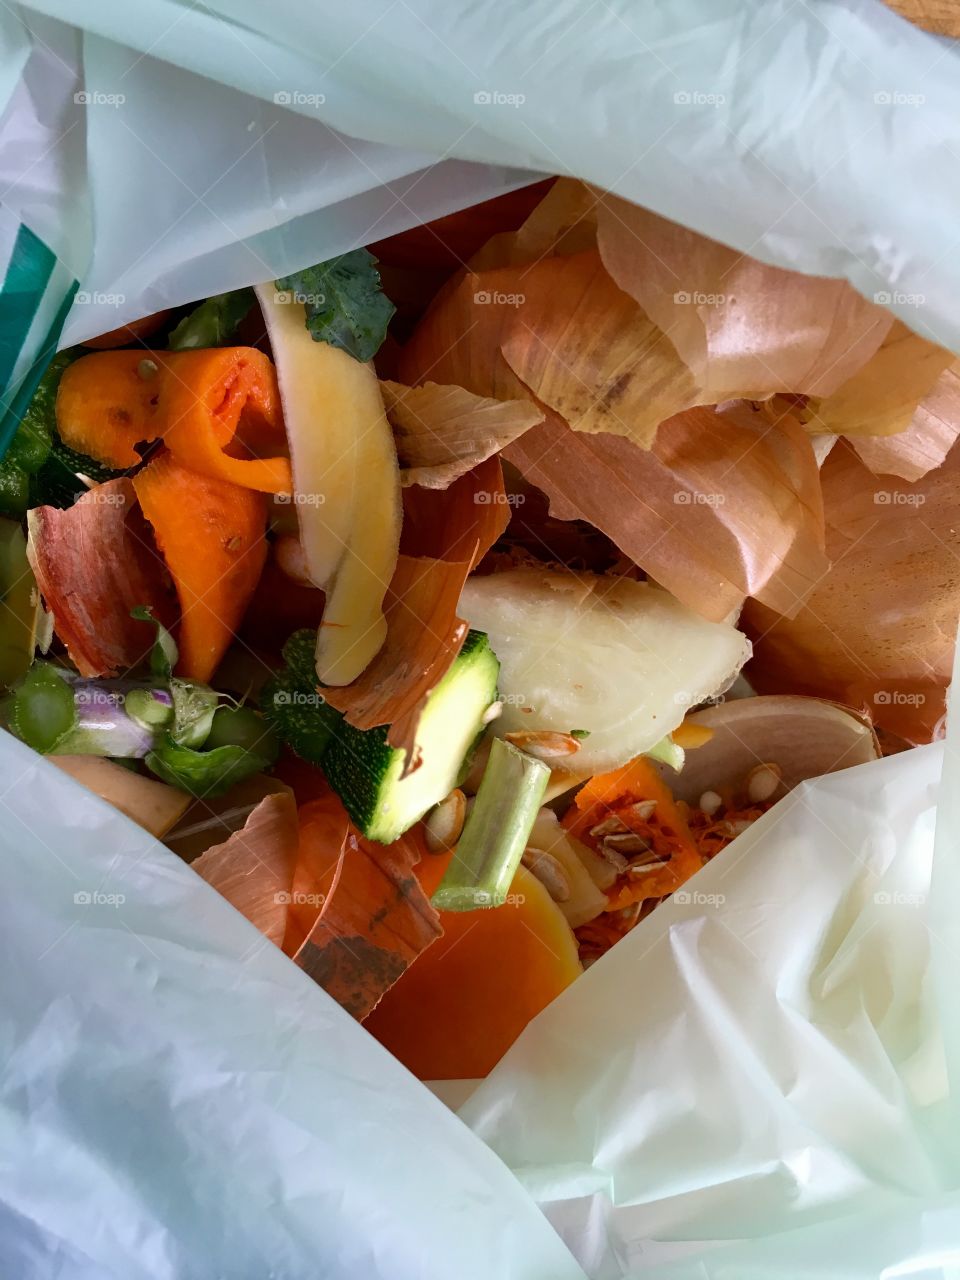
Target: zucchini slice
pixel 366 772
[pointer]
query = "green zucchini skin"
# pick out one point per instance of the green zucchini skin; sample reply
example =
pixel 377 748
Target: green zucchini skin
pixel 366 772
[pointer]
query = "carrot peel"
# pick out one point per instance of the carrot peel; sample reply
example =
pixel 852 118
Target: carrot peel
pixel 204 403
pixel 218 396
pixel 107 403
pixel 212 536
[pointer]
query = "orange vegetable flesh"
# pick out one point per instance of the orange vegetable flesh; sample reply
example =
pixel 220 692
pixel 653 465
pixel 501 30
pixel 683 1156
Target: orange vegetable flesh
pixel 615 794
pixel 206 396
pixel 713 832
pixel 599 935
pixel 211 535
pixel 105 405
pixel 135 331
pixel 685 837
pixel 216 409
pixel 457 1010
pixel 690 736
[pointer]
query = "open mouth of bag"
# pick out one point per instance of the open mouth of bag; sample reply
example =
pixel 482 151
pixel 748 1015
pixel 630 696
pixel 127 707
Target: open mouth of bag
pixel 450 604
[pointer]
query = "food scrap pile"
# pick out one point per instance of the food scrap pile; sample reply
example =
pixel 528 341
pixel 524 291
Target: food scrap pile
pixel 449 604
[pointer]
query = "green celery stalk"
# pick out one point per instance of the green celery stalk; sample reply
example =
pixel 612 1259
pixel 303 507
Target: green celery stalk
pixel 496 831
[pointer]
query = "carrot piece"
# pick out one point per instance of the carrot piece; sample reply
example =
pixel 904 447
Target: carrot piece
pixel 105 404
pixel 211 535
pixel 201 402
pixel 206 396
pixel 617 795
pixel 135 331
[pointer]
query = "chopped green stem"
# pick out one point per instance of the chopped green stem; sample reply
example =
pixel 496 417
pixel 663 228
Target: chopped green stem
pixel 143 706
pixel 667 752
pixel 496 831
pixel 41 711
pixel 176 728
pixel 241 727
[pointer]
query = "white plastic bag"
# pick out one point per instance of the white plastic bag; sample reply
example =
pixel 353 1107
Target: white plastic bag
pixel 755 1081
pixel 753 1087
pixel 179 1101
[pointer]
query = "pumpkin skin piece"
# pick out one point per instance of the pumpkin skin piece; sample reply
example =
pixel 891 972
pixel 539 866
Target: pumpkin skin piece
pixel 461 1005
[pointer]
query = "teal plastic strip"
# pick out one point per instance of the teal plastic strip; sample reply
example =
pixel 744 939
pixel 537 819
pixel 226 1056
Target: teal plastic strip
pixel 29 272
pixel 14 409
pixel 28 277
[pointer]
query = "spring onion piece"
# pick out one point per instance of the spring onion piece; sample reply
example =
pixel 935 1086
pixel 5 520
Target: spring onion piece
pixel 105 725
pixel 151 708
pixel 496 831
pixel 53 709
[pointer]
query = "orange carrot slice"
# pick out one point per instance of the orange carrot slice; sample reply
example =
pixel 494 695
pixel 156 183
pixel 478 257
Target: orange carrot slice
pixel 107 403
pixel 206 396
pixel 619 795
pixel 211 535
